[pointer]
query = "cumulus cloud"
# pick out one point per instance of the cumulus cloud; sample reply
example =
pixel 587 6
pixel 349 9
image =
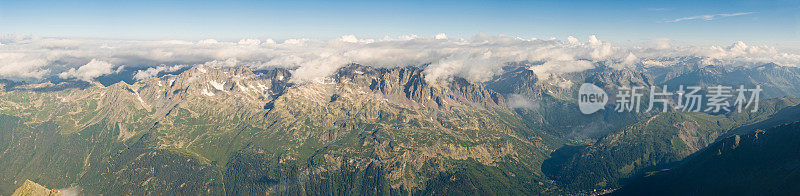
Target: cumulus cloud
pixel 740 53
pixel 572 40
pixel 349 38
pixel 559 66
pixel 738 49
pixel 522 102
pixel 440 36
pixel 88 72
pixel 250 42
pixel 599 49
pixel 662 43
pixel 593 41
pixel 16 65
pixel 471 66
pixel 709 17
pixel 476 59
pixel 628 62
pixel 208 42
pixel 154 71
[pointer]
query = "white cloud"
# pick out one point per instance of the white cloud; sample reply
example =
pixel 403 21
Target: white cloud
pixel 593 41
pixel 629 61
pixel 250 42
pixel 600 50
pixel 353 39
pixel 560 66
pixel 270 42
pixel 71 191
pixel 572 40
pixel 227 63
pixel 522 102
pixel 471 66
pixel 22 65
pixel 349 38
pixel 154 71
pixel 208 42
pixel 476 59
pixel 652 63
pixel 440 36
pixel 662 43
pixel 88 72
pixel 740 53
pixel 709 17
pixel 408 37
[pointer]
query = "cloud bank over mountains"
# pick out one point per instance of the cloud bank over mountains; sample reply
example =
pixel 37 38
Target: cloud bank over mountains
pixel 477 59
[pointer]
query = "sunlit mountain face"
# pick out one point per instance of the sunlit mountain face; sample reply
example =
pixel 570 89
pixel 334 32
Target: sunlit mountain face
pixel 221 98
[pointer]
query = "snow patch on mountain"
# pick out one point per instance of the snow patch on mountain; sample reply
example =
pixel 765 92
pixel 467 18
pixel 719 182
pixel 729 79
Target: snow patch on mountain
pixel 217 85
pixel 207 93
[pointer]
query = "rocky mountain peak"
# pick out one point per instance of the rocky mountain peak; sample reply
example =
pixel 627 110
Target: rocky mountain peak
pixel 32 188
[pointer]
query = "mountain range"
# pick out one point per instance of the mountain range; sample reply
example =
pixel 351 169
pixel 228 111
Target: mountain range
pixel 390 131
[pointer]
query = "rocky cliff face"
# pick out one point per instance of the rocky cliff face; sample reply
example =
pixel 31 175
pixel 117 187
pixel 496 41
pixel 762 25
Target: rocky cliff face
pixel 30 188
pixel 410 83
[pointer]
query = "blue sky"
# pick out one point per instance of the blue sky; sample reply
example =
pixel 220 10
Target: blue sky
pixel 768 22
